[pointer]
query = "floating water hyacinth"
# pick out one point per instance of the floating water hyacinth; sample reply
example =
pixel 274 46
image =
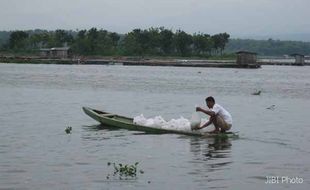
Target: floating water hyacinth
pixel 125 171
pixel 68 130
pixel 272 107
pixel 257 93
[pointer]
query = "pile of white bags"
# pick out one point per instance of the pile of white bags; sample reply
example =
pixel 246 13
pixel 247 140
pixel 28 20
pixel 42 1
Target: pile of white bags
pixel 195 120
pixel 181 124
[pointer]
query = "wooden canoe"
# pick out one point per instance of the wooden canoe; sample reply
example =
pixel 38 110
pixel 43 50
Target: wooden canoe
pixel 117 121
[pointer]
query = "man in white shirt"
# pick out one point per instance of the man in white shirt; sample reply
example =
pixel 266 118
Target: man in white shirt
pixel 219 116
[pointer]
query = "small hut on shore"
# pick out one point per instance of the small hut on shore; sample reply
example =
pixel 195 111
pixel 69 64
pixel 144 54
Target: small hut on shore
pixel 299 59
pixel 55 53
pixel 246 57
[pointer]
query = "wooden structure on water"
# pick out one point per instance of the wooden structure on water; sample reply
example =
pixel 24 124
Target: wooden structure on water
pixel 56 53
pixel 299 59
pixel 246 58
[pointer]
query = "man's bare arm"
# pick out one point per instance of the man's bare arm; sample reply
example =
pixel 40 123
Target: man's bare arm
pixel 210 113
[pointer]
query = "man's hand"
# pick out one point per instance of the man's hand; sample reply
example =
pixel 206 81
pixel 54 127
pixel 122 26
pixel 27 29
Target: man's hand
pixel 196 127
pixel 199 109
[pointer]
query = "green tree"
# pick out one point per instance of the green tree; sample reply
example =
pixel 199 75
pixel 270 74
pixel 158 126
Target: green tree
pixel 92 36
pixel 166 41
pixel 62 37
pixel 115 42
pixel 115 38
pixel 202 44
pixel 39 40
pixel 220 41
pixel 182 42
pixel 135 42
pixel 224 37
pixel 81 45
pixel 153 44
pixel 106 44
pixel 18 40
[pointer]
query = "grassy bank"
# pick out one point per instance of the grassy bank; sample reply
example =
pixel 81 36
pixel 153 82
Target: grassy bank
pixel 28 57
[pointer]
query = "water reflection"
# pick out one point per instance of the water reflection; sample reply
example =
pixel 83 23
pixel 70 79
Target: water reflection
pixel 95 127
pixel 95 132
pixel 105 128
pixel 207 148
pixel 210 155
pixel 220 147
pixel 104 132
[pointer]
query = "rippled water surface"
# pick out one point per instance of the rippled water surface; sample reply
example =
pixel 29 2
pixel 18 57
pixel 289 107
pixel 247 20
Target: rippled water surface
pixel 39 101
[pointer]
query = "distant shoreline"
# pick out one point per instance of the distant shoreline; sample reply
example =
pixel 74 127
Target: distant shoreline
pixel 129 61
pixel 133 61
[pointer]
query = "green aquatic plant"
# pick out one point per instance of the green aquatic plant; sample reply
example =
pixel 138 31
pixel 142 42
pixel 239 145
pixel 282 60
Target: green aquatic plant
pixel 125 171
pixel 68 130
pixel 257 93
pixel 272 107
pixel 225 136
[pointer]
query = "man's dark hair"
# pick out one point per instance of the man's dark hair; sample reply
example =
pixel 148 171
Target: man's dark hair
pixel 210 99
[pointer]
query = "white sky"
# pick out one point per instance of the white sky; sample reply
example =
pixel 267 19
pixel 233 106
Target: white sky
pixel 239 17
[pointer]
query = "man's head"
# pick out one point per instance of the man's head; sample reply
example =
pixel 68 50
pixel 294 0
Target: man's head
pixel 210 102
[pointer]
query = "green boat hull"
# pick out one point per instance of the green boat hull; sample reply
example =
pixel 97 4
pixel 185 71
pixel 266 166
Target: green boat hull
pixel 117 121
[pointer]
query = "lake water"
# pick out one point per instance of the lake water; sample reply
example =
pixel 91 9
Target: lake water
pixel 39 101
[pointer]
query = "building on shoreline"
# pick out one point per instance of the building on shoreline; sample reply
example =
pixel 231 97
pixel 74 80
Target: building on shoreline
pixel 56 53
pixel 299 59
pixel 246 57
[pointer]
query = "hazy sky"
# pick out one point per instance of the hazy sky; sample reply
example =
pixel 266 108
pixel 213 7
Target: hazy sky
pixel 237 17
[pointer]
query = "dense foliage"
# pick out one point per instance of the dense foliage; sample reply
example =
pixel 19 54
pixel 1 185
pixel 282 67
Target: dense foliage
pixel 150 42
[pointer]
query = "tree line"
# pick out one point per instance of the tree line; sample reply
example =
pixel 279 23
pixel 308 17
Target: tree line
pixel 138 42
pixel 268 47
